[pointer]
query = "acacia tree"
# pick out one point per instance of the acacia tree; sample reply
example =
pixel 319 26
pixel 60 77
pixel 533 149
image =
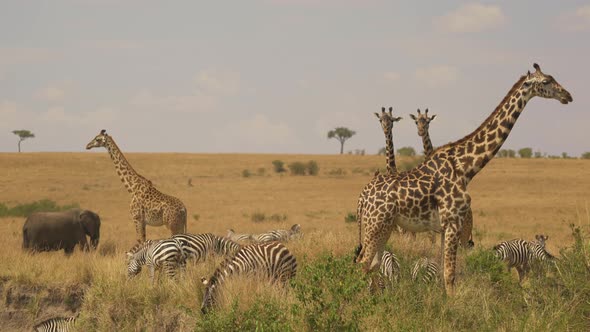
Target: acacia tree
pixel 341 134
pixel 23 135
pixel 525 153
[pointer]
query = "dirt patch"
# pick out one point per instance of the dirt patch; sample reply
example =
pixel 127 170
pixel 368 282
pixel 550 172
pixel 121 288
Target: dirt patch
pixel 23 306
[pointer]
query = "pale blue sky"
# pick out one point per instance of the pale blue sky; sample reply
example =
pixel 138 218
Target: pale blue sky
pixel 276 75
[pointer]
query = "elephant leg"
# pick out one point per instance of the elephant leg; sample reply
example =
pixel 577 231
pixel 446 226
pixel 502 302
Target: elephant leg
pixel 83 243
pixel 69 249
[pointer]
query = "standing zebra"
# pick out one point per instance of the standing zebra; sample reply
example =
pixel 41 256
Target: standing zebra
pixel 238 237
pixel 56 324
pixel 156 254
pixel 519 253
pixel 198 246
pixel 278 235
pixel 428 268
pixel 271 260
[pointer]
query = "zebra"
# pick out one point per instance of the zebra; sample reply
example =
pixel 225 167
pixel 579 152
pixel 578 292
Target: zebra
pixel 238 237
pixel 156 254
pixel 198 246
pixel 271 260
pixel 56 324
pixel 428 268
pixel 389 271
pixel 278 235
pixel 519 253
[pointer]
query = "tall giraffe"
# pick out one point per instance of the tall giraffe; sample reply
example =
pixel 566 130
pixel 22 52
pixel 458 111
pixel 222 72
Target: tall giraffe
pixel 423 124
pixel 148 205
pixel 387 120
pixel 433 195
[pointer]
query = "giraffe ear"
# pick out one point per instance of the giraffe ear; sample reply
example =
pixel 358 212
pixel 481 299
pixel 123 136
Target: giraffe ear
pixel 377 115
pixel 397 119
pixel 432 117
pixel 413 116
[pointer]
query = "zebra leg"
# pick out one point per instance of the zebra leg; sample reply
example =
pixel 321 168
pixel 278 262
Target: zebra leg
pixel 151 269
pixel 521 273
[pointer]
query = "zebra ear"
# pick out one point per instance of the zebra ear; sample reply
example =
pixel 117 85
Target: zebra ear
pixel 129 254
pixel 204 281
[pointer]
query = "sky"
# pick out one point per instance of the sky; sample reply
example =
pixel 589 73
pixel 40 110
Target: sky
pixel 274 76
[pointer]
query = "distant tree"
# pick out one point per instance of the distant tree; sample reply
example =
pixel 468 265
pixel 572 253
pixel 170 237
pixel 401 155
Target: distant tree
pixel 538 154
pixel 342 134
pixel 23 135
pixel 279 166
pixel 506 153
pixel 407 151
pixel 585 155
pixel 525 153
pixel 564 155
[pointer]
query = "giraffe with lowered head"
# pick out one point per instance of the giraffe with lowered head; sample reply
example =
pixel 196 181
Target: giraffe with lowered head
pixel 423 124
pixel 149 206
pixel 433 195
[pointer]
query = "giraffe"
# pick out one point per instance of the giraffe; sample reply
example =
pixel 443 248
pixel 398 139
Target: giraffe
pixel 433 195
pixel 149 206
pixel 423 124
pixel 387 120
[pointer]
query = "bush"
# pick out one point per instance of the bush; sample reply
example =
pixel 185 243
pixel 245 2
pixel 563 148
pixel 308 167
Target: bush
pixel 337 172
pixel 333 294
pixel 24 210
pixel 297 168
pixel 246 173
pixel 585 155
pixel 279 166
pixel 350 217
pixel 278 217
pixel 313 168
pixel 525 153
pixel 258 217
pixel 107 248
pixel 196 216
pixel 407 151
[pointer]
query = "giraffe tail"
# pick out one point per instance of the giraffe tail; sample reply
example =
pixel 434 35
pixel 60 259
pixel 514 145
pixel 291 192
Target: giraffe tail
pixel 357 252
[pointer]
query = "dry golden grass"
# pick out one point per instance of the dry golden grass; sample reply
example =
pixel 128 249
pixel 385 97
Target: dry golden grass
pixel 511 198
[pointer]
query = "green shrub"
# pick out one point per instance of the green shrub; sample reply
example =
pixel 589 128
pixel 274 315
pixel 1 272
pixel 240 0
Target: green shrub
pixel 246 173
pixel 350 217
pixel 279 166
pixel 484 262
pixel 196 216
pixel 585 155
pixel 297 168
pixel 24 210
pixel 333 294
pixel 312 167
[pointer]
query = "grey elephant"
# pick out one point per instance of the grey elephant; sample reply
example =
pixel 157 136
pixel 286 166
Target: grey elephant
pixel 47 231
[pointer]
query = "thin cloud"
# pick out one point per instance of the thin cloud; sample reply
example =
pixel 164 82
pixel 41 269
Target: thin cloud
pixel 437 76
pixel 576 20
pixel 219 82
pixel 52 94
pixel 473 17
pixel 257 133
pixel 391 76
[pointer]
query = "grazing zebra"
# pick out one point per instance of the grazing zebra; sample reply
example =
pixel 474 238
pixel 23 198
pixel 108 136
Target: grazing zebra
pixel 389 271
pixel 238 237
pixel 519 253
pixel 278 235
pixel 271 260
pixel 198 246
pixel 428 268
pixel 156 254
pixel 56 324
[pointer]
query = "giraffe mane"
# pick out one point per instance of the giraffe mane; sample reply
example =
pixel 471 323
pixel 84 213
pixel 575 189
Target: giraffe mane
pixel 515 87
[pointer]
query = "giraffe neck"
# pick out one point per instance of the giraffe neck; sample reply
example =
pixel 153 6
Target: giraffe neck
pixel 130 178
pixel 390 153
pixel 475 150
pixel 428 149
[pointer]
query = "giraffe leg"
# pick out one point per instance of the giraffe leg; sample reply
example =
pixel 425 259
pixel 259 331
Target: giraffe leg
pixel 466 232
pixel 140 230
pixel 450 258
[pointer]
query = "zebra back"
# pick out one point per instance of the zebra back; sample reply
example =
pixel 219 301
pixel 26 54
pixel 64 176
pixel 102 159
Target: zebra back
pixel 428 268
pixel 167 253
pixel 271 260
pixel 199 246
pixel 515 253
pixel 280 235
pixel 56 324
pixel 238 237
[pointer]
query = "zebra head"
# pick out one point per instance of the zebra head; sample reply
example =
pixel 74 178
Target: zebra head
pixel 133 266
pixel 209 297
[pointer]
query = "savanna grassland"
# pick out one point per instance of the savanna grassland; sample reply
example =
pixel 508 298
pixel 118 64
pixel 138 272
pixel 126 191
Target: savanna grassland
pixel 511 198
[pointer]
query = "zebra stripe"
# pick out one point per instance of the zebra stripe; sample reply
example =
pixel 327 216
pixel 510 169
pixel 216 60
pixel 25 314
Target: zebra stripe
pixel 390 268
pixel 156 254
pixel 271 260
pixel 199 246
pixel 426 267
pixel 278 235
pixel 538 250
pixel 238 237
pixel 57 324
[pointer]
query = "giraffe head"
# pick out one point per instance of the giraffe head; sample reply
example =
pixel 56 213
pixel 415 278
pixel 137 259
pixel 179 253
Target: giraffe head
pixel 543 85
pixel 99 141
pixel 387 119
pixel 422 121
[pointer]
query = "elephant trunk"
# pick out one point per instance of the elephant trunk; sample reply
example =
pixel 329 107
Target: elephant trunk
pixel 94 242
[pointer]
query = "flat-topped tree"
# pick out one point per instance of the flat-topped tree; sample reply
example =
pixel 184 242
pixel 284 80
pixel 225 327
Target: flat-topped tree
pixel 434 196
pixel 342 134
pixel 22 135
